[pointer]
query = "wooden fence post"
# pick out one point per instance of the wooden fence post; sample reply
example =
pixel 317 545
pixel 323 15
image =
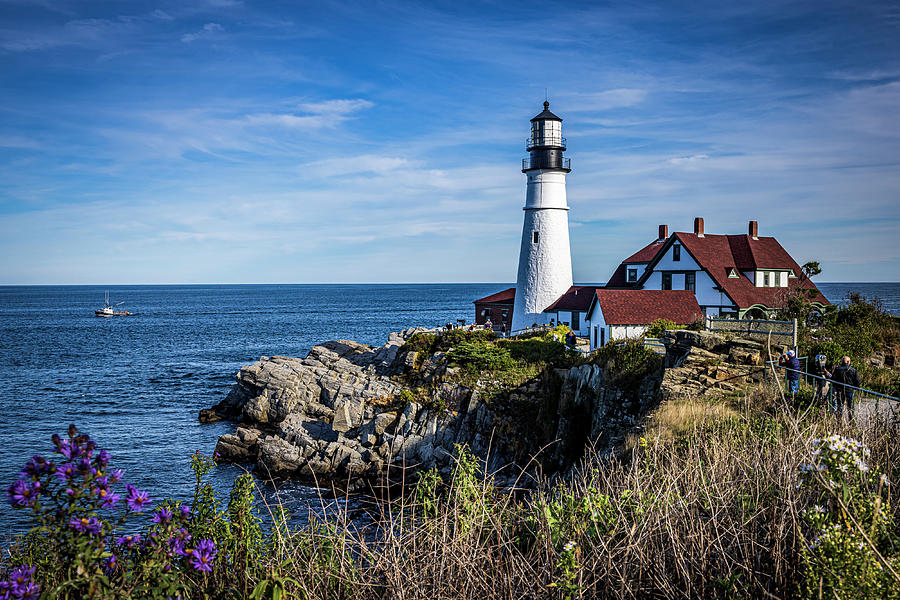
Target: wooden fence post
pixel 795 335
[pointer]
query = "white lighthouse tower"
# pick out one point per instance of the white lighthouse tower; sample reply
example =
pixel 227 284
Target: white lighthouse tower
pixel 545 261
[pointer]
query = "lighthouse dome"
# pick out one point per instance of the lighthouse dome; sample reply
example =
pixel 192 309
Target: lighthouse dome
pixel 546 115
pixel 546 131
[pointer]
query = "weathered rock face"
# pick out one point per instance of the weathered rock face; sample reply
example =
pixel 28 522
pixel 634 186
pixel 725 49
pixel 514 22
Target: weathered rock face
pixel 337 415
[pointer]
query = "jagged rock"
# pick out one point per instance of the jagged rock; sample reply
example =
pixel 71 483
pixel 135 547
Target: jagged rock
pixel 383 421
pixel 329 422
pixel 342 420
pixel 209 415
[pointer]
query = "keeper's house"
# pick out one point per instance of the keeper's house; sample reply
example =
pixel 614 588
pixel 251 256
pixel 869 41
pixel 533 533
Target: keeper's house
pixel 570 309
pixel 739 276
pixel 620 314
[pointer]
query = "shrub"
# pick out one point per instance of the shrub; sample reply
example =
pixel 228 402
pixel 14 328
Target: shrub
pixel 849 524
pixel 626 363
pixel 659 326
pixel 480 356
pixel 538 350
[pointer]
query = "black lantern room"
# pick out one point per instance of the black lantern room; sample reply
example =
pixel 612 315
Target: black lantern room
pixel 546 143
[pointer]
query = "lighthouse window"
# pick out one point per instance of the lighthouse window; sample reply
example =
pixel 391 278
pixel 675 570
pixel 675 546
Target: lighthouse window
pixel 534 237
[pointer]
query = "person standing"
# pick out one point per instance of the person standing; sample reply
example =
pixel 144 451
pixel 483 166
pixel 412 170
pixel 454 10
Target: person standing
pixel 822 376
pixel 791 365
pixel 844 376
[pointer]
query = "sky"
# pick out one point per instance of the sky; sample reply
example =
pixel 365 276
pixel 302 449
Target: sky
pixel 228 141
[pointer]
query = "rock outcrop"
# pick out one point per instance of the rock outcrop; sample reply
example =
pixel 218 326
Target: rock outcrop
pixel 341 414
pixel 347 412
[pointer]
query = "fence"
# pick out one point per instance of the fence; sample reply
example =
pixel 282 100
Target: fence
pixel 784 331
pixel 655 344
pixel 834 395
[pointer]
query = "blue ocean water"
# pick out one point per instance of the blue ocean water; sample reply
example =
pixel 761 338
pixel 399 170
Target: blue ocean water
pixel 137 383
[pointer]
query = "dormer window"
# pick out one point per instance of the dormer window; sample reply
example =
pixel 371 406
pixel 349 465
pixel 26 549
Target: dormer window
pixel 676 253
pixel 632 275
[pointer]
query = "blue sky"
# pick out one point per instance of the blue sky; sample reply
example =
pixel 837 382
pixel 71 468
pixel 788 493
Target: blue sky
pixel 242 142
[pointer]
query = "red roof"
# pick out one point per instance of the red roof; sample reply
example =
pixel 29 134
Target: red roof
pixel 647 253
pixel 577 297
pixel 504 297
pixel 618 278
pixel 642 307
pixel 718 254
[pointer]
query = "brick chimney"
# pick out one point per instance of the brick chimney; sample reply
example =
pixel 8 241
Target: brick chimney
pixel 663 232
pixel 698 226
pixel 754 230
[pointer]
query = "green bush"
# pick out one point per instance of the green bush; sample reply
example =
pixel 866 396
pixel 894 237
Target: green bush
pixel 538 350
pixel 626 363
pixel 659 327
pixel 421 342
pixel 480 356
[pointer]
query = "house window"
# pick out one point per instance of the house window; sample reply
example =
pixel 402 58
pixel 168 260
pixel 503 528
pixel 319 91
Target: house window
pixel 733 274
pixel 690 281
pixel 505 315
pixel 632 275
pixel 667 281
pixel 766 281
pixel 576 317
pixel 676 253
pixel 534 237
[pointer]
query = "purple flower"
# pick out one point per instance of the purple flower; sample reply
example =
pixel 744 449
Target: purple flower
pixel 116 475
pixel 185 511
pixel 136 498
pixel 129 541
pixel 21 575
pixel 84 465
pixel 177 546
pixel 110 498
pixel 36 467
pixel 22 493
pixel 109 564
pixel 103 457
pixel 85 524
pixel 27 591
pixel 203 555
pixel 66 471
pixel 163 515
pixel 68 449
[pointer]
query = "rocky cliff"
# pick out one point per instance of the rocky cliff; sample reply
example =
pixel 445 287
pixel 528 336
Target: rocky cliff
pixel 346 413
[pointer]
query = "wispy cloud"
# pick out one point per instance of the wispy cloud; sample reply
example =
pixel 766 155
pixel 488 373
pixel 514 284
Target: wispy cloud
pixel 208 32
pixel 345 142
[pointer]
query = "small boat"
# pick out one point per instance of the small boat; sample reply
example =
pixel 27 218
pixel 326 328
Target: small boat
pixel 109 310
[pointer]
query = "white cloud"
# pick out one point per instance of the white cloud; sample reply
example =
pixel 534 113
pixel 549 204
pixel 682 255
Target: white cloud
pixel 335 107
pixel 616 98
pixel 209 31
pixel 367 163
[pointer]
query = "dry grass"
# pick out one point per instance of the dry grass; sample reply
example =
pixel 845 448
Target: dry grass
pixel 707 508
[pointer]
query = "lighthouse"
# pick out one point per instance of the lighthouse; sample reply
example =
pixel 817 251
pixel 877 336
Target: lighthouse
pixel 545 260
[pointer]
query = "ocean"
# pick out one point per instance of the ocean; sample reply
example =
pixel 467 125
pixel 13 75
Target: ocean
pixel 137 383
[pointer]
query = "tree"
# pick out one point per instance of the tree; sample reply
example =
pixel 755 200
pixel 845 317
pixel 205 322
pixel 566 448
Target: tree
pixel 810 270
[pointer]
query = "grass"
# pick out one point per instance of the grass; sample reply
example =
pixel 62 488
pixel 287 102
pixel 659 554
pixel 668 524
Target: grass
pixel 705 504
